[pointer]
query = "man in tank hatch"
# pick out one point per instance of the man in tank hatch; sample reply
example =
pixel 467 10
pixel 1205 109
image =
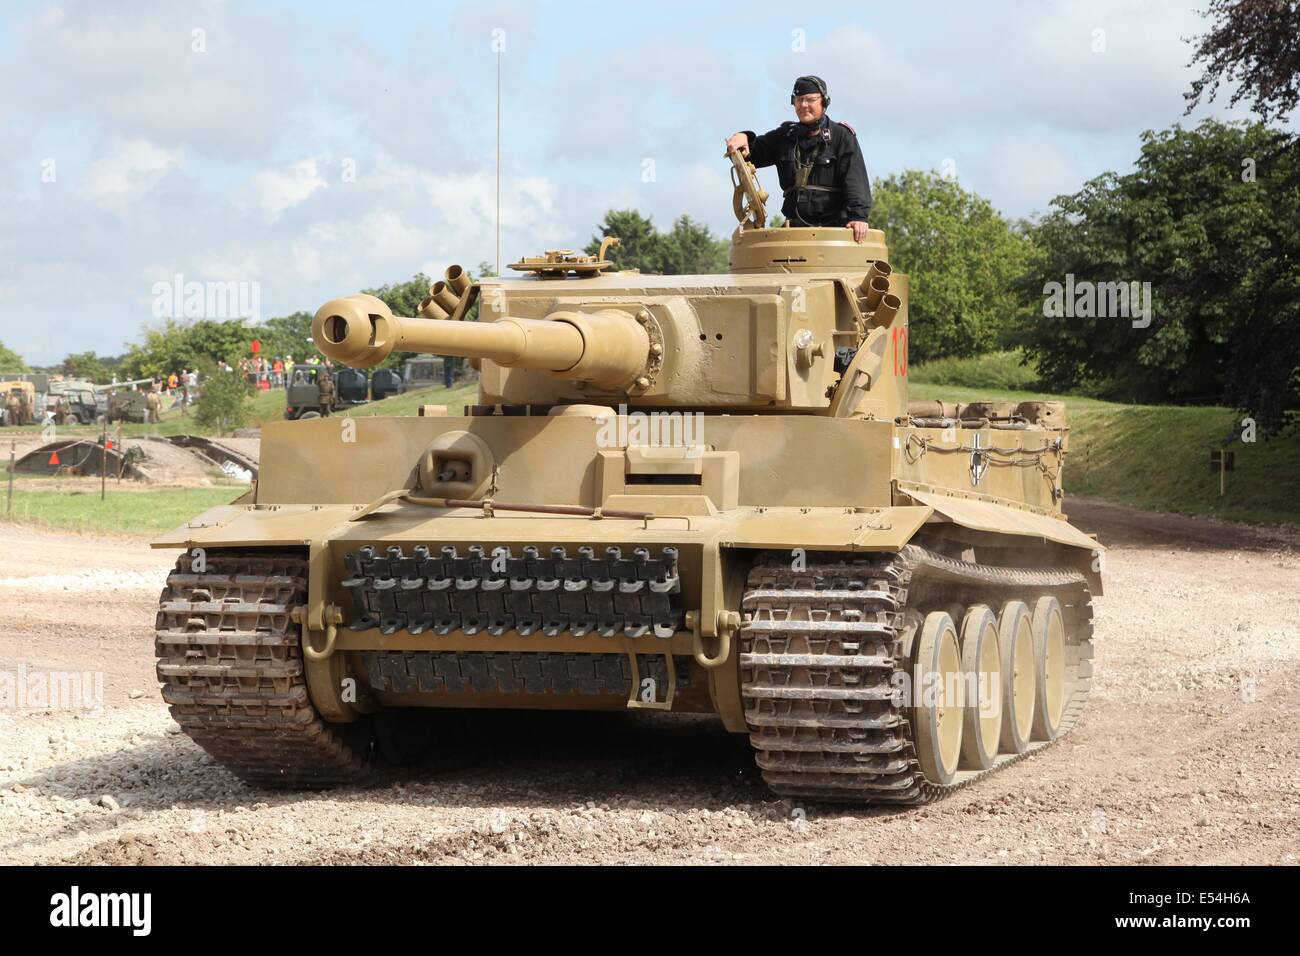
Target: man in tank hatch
pixel 818 162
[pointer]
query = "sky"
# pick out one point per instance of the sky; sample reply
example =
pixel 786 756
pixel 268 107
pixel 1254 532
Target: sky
pixel 307 150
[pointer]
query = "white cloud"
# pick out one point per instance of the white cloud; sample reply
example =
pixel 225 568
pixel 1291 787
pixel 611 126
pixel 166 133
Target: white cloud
pixel 228 164
pixel 134 71
pixel 126 173
pixel 281 189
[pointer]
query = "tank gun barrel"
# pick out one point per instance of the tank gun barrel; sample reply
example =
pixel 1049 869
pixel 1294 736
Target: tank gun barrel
pixel 112 385
pixel 608 348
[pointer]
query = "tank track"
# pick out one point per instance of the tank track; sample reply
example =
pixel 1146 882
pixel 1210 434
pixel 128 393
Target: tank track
pixel 230 663
pixel 476 672
pixel 497 591
pixel 822 658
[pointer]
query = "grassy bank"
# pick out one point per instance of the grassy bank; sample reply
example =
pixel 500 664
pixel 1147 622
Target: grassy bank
pixel 409 404
pixel 129 512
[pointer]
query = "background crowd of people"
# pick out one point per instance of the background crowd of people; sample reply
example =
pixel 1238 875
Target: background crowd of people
pixel 262 372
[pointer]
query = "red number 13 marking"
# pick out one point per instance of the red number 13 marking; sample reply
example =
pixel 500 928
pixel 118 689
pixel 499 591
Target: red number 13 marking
pixel 900 350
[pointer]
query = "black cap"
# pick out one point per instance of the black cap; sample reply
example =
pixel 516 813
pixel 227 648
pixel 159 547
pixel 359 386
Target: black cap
pixel 809 84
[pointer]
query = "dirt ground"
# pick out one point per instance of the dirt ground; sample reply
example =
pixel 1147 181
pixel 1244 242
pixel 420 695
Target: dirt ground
pixel 1187 754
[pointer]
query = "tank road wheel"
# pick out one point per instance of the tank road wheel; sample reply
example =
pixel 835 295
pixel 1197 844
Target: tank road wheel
pixel 1049 668
pixel 936 687
pixel 1016 642
pixel 230 662
pixel 981 665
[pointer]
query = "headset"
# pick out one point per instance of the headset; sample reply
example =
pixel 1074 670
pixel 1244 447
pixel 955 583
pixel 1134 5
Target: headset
pixel 821 88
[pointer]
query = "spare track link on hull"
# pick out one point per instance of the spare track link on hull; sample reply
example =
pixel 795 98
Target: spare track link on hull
pixel 822 655
pixel 230 662
pixel 495 591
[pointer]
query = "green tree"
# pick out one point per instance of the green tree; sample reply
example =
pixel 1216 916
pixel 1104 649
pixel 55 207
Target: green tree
pixel 177 345
pixel 686 249
pixel 85 366
pixel 961 258
pixel 1208 218
pixel 219 340
pixel 222 401
pixel 287 335
pixel 11 361
pixel 403 298
pixel 690 249
pixel 638 240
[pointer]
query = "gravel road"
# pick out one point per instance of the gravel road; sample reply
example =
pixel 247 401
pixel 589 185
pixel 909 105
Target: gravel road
pixel 1187 754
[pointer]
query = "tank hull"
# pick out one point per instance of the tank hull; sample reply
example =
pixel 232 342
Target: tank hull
pixel 387 636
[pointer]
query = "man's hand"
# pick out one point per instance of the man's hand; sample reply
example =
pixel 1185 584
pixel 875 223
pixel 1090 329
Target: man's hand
pixel 859 230
pixel 738 142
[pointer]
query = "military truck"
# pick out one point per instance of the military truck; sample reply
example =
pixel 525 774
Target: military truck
pixel 302 397
pixel 84 403
pixel 352 387
pixel 18 405
pixel 696 494
pixel 128 405
pixel 124 401
pixel 87 402
pixel 423 371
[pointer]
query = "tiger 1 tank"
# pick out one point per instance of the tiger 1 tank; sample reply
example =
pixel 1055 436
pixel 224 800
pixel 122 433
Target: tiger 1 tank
pixel 685 493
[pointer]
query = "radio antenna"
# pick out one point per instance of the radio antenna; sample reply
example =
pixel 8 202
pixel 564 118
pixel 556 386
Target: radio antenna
pixel 499 54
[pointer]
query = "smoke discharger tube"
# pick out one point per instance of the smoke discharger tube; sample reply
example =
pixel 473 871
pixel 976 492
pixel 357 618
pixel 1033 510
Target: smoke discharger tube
pixel 888 308
pixel 432 310
pixel 442 295
pixel 456 280
pixel 879 288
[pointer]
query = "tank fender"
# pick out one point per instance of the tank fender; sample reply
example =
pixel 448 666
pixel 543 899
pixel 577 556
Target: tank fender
pixel 826 529
pixel 981 514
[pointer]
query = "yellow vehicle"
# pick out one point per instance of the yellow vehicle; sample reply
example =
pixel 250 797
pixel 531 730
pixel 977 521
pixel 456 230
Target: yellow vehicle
pixel 703 494
pixel 17 403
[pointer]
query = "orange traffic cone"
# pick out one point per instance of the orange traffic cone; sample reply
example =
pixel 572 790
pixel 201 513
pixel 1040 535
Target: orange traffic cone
pixel 54 458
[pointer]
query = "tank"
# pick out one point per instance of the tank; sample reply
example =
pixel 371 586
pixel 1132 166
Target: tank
pixel 689 494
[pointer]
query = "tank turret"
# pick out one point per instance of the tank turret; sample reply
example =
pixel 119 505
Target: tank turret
pixel 805 320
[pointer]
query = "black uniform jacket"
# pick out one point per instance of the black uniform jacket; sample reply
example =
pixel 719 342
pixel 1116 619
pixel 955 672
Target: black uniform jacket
pixel 839 169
